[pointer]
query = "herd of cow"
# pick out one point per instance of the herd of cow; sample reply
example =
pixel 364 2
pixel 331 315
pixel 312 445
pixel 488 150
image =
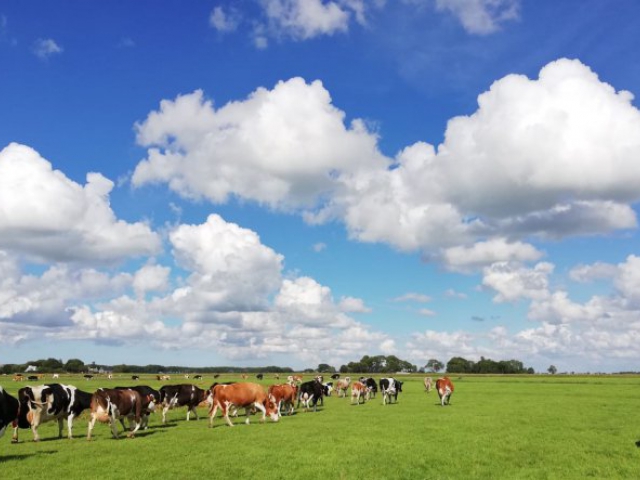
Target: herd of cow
pixel 39 404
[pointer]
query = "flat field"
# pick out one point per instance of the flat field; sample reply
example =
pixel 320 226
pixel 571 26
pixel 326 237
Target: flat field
pixel 512 427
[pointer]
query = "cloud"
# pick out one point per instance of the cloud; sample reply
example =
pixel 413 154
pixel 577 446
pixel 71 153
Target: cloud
pixel 426 312
pixel 44 48
pixel 589 273
pixel 47 215
pixel 549 158
pixel 413 297
pixel 224 21
pixel 353 305
pixel 481 17
pixel 467 259
pixel 305 19
pixel 319 247
pixel 514 282
pixel 279 147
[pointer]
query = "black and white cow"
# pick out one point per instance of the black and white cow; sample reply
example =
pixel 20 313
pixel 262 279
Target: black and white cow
pixel 150 398
pixel 390 387
pixel 45 403
pixel 311 393
pixel 173 396
pixel 8 410
pixel 372 387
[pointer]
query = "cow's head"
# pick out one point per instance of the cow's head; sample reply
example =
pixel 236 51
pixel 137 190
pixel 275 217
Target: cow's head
pixel 398 386
pixel 271 410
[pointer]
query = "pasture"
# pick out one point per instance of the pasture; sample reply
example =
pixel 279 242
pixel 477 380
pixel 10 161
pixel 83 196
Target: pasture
pixel 523 427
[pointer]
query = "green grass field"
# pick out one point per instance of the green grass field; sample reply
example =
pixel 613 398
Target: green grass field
pixel 537 427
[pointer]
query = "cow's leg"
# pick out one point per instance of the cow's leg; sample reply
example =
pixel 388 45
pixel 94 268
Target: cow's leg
pixel 70 426
pixel 225 411
pixel 92 423
pixel 60 427
pixel 14 436
pixel 262 408
pixel 212 413
pixel 132 433
pixel 35 421
pixel 113 422
pixel 165 409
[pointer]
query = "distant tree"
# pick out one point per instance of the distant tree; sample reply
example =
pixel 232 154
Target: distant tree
pixel 459 365
pixel 552 369
pixel 326 368
pixel 434 365
pixel 74 365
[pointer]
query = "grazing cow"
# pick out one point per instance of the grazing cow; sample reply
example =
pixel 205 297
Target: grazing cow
pixel 328 388
pixel 310 393
pixel 9 407
pixel 110 376
pixel 390 387
pixel 109 405
pixel 49 402
pixel 197 377
pixel 260 376
pixel 276 376
pixel 358 391
pixel 135 377
pixel 335 376
pixel 150 398
pixel 428 384
pixel 162 378
pixel 445 390
pixel 186 375
pixel 216 375
pixel 284 396
pixel 244 376
pixel 245 395
pixel 342 386
pixel 33 378
pixel 88 377
pixel 55 375
pixel 18 377
pixel 173 396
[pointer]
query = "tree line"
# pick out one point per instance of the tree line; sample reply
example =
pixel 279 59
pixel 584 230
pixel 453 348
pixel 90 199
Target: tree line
pixel 376 364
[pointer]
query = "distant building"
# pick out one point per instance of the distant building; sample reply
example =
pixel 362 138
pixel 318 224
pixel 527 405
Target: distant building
pixel 31 368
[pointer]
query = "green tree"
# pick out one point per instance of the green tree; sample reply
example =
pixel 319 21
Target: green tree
pixel 552 369
pixel 434 365
pixel 74 365
pixel 459 365
pixel 326 368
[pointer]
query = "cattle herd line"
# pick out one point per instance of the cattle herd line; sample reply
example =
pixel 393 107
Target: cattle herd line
pixel 48 402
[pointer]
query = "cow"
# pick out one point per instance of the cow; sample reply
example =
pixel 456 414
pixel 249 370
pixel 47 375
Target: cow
pixel 372 387
pixel 390 387
pixel 109 405
pixel 310 393
pixel 150 398
pixel 173 396
pixel 428 384
pixel 260 376
pixel 328 388
pixel 88 377
pixel 216 375
pixel 358 391
pixel 197 377
pixel 9 407
pixel 335 376
pixel 18 377
pixel 245 395
pixel 135 377
pixel 284 396
pixel 445 390
pixel 186 376
pixel 33 378
pixel 110 376
pixel 55 375
pixel 342 386
pixel 244 376
pixel 45 403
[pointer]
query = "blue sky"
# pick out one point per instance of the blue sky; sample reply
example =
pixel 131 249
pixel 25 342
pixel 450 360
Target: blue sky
pixel 296 182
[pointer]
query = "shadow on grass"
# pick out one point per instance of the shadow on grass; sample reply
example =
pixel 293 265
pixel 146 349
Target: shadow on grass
pixel 7 458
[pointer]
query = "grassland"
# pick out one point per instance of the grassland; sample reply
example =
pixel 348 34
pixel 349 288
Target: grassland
pixel 529 427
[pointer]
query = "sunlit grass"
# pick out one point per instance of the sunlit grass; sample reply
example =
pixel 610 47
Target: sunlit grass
pixel 536 427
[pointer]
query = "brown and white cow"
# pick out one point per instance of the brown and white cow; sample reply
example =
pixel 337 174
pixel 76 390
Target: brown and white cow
pixel 358 391
pixel 245 395
pixel 428 384
pixel 342 386
pixel 284 396
pixel 109 405
pixel 445 390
